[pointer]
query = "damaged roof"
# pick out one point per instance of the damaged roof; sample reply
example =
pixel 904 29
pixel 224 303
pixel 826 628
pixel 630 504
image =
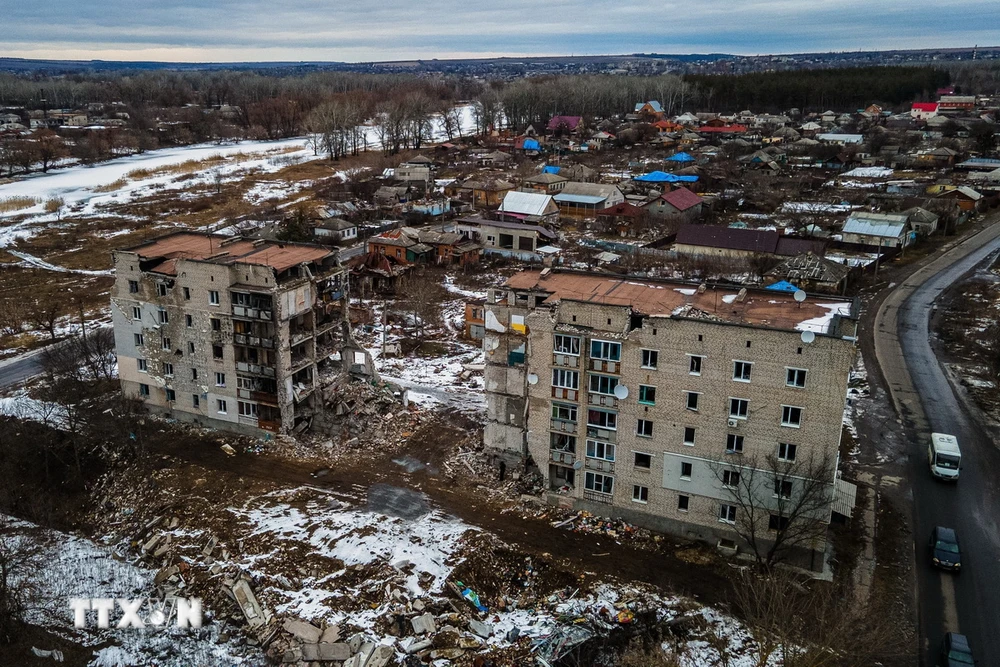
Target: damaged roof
pixel 664 298
pixel 222 249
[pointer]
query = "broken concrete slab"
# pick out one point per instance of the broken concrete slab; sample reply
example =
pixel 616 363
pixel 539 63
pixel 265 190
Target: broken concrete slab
pixel 416 647
pixel 151 543
pixel 165 574
pixel 330 635
pixel 353 661
pixel 424 624
pixel 210 547
pixel 337 651
pixel 381 656
pixel 248 604
pixel 447 653
pixel 355 642
pixel 484 630
pixel 307 632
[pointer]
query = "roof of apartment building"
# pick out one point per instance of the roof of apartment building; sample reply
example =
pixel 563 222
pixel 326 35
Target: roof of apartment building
pixel 665 298
pixel 222 249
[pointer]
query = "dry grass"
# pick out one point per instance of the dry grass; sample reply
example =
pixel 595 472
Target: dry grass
pixel 9 204
pixel 112 186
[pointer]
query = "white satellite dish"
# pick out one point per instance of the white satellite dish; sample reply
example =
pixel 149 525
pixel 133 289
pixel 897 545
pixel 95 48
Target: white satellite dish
pixel 578 465
pixel 532 378
pixel 808 336
pixel 621 392
pixel 799 296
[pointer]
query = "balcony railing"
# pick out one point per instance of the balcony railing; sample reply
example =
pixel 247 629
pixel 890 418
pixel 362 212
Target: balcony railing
pixel 560 456
pixel 602 399
pixel 252 313
pixel 602 434
pixel 600 465
pixel 603 366
pixel 254 341
pixel 564 426
pixel 567 360
pixel 565 394
pixel 597 497
pixel 255 369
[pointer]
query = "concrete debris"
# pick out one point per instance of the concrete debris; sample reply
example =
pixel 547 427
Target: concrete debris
pixel 380 656
pixel 447 654
pixel 55 654
pixel 210 547
pixel 484 630
pixel 249 605
pixel 325 652
pixel 417 646
pixel 228 449
pixel 330 635
pixel 165 574
pixel 423 625
pixel 307 632
pixel 355 642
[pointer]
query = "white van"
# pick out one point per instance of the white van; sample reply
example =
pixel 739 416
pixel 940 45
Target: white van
pixel 944 456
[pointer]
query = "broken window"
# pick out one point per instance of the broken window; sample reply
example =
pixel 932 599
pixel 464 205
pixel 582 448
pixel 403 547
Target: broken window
pixel 643 460
pixel 562 442
pixel 564 412
pixel 567 345
pixel 647 394
pixel 786 452
pixel 640 494
pixel 507 241
pixel 683 502
pixel 694 365
pixel 525 243
pixel 603 419
pixel 133 286
pixel 734 444
pixel 650 359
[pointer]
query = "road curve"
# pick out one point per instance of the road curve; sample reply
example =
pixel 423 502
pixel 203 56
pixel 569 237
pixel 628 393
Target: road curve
pixel 926 402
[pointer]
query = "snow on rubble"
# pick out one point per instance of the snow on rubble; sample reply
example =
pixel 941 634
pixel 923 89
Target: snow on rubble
pixel 72 567
pixel 414 535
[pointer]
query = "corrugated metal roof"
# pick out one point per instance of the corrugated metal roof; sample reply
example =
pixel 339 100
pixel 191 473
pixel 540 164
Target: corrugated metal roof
pixel 870 225
pixel 525 203
pixel 845 497
pixel 579 199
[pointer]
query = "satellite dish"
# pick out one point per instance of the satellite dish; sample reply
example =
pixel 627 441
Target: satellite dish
pixel 799 296
pixel 621 392
pixel 808 336
pixel 532 378
pixel 578 465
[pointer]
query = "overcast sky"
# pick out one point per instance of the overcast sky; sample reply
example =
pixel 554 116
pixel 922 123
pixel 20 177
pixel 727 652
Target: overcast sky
pixel 362 30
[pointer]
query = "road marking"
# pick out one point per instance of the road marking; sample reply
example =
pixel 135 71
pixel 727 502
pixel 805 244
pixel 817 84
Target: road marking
pixel 950 606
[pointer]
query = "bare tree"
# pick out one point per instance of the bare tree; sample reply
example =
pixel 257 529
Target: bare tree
pixel 19 560
pixel 781 504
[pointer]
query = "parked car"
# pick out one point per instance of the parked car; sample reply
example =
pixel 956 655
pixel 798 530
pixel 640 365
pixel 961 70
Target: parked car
pixel 955 651
pixel 945 551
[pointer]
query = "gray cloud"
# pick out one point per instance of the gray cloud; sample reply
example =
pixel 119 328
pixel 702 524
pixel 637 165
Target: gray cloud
pixel 389 29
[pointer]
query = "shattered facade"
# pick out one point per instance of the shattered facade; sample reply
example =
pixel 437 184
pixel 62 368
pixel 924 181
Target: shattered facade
pixel 630 395
pixel 226 331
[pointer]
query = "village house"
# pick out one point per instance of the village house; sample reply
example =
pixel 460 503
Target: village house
pixel 227 332
pixel 965 197
pixel 488 193
pixel 951 103
pixel 728 242
pixel 509 239
pixel 565 125
pixel 336 230
pixel 409 245
pixel 811 273
pixel 923 110
pixel 641 399
pixel 545 182
pixel 679 203
pixel 648 112
pixel 889 230
pixel 624 218
pixel 529 207
pixel 922 221
pixel 579 200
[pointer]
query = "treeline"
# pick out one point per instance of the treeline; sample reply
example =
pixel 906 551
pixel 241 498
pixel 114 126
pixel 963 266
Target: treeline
pixel 818 90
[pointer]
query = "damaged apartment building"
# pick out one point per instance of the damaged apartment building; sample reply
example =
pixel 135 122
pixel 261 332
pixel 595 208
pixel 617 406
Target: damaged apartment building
pixel 642 399
pixel 230 332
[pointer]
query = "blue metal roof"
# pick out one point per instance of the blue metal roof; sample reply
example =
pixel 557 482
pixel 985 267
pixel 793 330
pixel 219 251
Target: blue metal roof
pixel 664 177
pixel 783 286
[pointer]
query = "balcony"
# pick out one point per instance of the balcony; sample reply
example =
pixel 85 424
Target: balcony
pixel 563 457
pixel 563 426
pixel 603 366
pixel 255 369
pixel 252 313
pixel 602 434
pixel 564 394
pixel 253 341
pixel 602 399
pixel 599 465
pixel 265 397
pixel 565 360
pixel 598 497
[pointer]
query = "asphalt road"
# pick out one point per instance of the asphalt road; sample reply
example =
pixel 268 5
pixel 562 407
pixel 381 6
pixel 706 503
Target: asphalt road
pixel 18 369
pixel 970 602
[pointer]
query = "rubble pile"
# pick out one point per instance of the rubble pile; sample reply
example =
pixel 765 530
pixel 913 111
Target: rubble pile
pixel 584 522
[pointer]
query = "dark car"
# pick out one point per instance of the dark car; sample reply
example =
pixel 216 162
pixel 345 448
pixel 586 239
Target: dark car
pixel 945 552
pixel 955 651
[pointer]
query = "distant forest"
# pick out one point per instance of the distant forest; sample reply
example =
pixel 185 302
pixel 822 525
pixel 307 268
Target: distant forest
pixel 817 90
